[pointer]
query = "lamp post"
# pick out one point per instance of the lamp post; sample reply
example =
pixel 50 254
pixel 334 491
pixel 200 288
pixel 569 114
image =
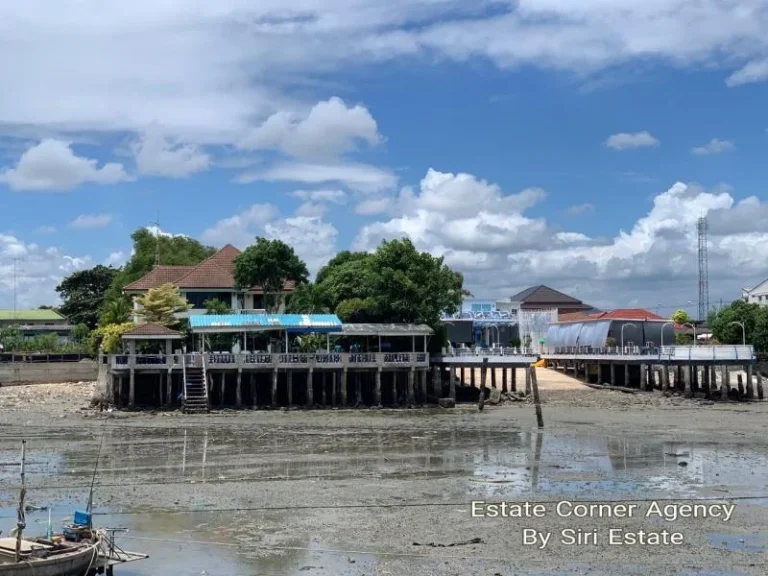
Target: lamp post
pixel 694 331
pixel 622 333
pixel 743 332
pixel 662 331
pixel 498 337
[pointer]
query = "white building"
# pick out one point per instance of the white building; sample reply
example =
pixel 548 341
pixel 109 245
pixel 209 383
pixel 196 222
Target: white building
pixel 756 295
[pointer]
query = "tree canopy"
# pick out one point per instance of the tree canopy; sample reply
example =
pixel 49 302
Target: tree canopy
pixel 681 317
pixel 83 294
pixel 754 318
pixel 173 251
pixel 396 283
pixel 268 264
pixel 160 305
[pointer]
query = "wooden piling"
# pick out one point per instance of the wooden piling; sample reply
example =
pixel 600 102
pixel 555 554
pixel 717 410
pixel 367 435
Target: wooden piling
pixel 423 379
pixel 239 389
pixel 643 377
pixel 323 394
pixel 707 380
pixel 759 385
pixel 726 384
pixel 436 382
pixel 665 378
pixel 463 381
pixel 483 373
pixel 452 387
pixel 613 374
pixel 132 388
pixel 493 377
pixel 310 387
pixel 527 381
pixel 358 390
pixel 687 381
pixel 536 398
pixel 513 379
pixel 750 385
pixel 334 396
pixel 289 376
pixel 160 389
pixel 626 375
pixel 222 388
pixel 411 400
pixel 378 384
pixel 740 384
pixel 504 386
pixel 274 388
pixel 472 376
pixel 344 388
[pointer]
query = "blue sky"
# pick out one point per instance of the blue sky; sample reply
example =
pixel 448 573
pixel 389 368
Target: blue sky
pixel 527 142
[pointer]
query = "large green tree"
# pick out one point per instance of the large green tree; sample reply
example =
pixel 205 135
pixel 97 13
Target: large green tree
pixel 267 264
pixel 752 316
pixel 147 246
pixel 83 294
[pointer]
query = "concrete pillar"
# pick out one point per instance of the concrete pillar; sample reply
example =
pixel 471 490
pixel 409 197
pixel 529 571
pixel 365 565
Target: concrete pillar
pixel 289 376
pixel 665 378
pixel 132 388
pixel 726 384
pixel 513 379
pixel 707 379
pixel 695 380
pixel 169 388
pixel 493 377
pixel 423 378
pixel 252 378
pixel 750 385
pixel 358 390
pixel 643 376
pixel 759 385
pixel 411 400
pixel 504 387
pixel 436 384
pixel 452 387
pixel 613 374
pixel 239 389
pixel 472 376
pixel 333 389
pixel 344 388
pixel 679 378
pixel 223 386
pixel 626 375
pixel 160 389
pixel 274 388
pixel 462 377
pixel 687 380
pixel 527 380
pixel 377 391
pixel 310 388
pixel 740 384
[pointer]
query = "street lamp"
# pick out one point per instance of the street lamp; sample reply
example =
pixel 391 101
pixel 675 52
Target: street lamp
pixel 694 331
pixel 622 334
pixel 662 331
pixel 743 332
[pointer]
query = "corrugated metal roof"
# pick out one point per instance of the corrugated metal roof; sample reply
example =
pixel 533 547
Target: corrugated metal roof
pixel 41 314
pixel 384 330
pixel 291 322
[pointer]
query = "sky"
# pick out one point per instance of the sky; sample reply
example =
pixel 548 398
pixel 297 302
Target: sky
pixel 572 144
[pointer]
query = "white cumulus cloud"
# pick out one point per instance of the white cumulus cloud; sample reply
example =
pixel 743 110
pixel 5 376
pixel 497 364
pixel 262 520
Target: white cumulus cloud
pixel 627 141
pixel 157 155
pixel 714 146
pixel 86 221
pixel 53 165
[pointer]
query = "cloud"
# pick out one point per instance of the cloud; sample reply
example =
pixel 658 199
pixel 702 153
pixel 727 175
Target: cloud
pixel 46 229
pixel 501 249
pixel 373 206
pixel 89 221
pixel 157 231
pixel 117 258
pixel 360 177
pixel 715 146
pixel 625 141
pixel 156 155
pixel 333 196
pixel 52 165
pixel 38 271
pixel 330 129
pixel 313 239
pixel 580 209
pixel 755 71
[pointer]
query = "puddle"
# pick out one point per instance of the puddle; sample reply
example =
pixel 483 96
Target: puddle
pixel 746 542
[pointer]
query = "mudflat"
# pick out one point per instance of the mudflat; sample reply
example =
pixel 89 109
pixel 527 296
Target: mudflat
pixel 413 492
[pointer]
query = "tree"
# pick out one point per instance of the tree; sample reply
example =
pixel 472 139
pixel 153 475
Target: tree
pixel 109 337
pixel 80 334
pixel 216 306
pixel 307 299
pixel 752 316
pixel 268 264
pixel 172 251
pixel 116 311
pixel 160 305
pixel 681 317
pixel 83 294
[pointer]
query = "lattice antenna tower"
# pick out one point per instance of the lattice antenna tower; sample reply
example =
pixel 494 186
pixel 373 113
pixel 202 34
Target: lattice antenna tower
pixel 702 228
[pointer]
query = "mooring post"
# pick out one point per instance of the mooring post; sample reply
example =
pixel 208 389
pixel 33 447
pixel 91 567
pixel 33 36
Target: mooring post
pixel 310 388
pixel 423 379
pixel 665 378
pixel 289 376
pixel 411 394
pixel 274 388
pixel 324 397
pixel 239 389
pixel 483 373
pixel 536 398
pixel 344 388
pixel 377 388
pixel 726 384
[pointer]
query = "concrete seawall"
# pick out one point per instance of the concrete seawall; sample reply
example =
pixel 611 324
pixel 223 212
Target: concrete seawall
pixel 47 372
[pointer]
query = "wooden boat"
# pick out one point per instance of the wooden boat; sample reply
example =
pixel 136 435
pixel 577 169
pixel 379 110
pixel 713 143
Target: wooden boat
pixel 41 558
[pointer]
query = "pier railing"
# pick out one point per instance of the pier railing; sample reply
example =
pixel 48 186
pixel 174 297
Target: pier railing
pixel 255 360
pixel 666 353
pixel 482 352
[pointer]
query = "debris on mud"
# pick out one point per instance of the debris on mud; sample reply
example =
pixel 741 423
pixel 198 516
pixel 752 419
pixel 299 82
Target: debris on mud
pixel 452 544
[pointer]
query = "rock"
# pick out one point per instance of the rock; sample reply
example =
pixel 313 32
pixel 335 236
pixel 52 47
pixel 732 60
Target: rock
pixel 495 396
pixel 446 403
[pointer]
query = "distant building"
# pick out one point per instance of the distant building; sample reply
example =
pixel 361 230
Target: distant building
pixel 482 322
pixel 212 279
pixel 32 323
pixel 543 298
pixel 756 295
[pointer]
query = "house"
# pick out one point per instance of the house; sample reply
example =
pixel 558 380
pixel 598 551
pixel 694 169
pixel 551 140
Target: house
pixel 36 322
pixel 213 278
pixel 630 326
pixel 756 295
pixel 543 297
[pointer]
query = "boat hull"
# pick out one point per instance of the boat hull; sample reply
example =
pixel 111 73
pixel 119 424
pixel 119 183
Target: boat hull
pixel 74 563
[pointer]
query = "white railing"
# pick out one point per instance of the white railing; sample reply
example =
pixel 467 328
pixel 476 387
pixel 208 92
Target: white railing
pixel 481 352
pixel 679 353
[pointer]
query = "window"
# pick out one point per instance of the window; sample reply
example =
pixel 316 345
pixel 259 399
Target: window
pixel 197 299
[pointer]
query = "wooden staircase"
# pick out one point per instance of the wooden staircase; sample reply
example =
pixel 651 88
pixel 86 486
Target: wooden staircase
pixel 195 386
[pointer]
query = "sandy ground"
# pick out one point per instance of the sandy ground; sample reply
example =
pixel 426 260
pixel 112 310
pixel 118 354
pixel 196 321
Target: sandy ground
pixel 327 493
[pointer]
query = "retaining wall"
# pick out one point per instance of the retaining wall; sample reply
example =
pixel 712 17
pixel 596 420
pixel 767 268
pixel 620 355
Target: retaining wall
pixel 47 372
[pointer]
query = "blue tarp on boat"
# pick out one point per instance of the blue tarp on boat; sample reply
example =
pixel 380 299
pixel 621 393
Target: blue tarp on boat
pixel 295 323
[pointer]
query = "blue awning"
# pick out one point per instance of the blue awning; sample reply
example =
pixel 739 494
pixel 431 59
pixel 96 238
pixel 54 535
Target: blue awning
pixel 295 323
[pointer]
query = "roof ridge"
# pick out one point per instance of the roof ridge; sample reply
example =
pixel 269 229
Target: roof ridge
pixel 206 261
